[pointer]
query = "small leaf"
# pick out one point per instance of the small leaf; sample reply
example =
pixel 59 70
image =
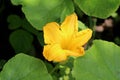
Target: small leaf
pixel 21 41
pixel 98 8
pixel 24 67
pixel 14 22
pixel 40 38
pixel 40 12
pixel 81 25
pixel 117 40
pixel 2 62
pixel 101 62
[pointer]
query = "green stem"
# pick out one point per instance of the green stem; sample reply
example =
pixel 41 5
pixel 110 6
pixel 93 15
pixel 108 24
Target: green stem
pixel 92 24
pixel 55 68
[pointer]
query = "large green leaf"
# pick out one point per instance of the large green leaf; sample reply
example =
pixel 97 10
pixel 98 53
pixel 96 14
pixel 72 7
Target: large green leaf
pixel 98 8
pixel 101 62
pixel 40 12
pixel 24 67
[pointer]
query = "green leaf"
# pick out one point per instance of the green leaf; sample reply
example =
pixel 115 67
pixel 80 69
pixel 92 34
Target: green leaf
pixel 2 62
pixel 117 40
pixel 24 67
pixel 101 62
pixel 81 25
pixel 68 8
pixel 21 41
pixel 14 22
pixel 49 66
pixel 78 11
pixel 41 39
pixel 28 27
pixel 98 8
pixel 40 12
pixel 39 34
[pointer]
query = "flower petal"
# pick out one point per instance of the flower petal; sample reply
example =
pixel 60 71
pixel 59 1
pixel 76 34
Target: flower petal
pixel 54 53
pixel 76 51
pixel 82 37
pixel 70 25
pixel 52 33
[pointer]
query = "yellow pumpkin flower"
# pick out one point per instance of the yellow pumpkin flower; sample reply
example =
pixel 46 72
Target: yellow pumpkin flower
pixel 64 40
